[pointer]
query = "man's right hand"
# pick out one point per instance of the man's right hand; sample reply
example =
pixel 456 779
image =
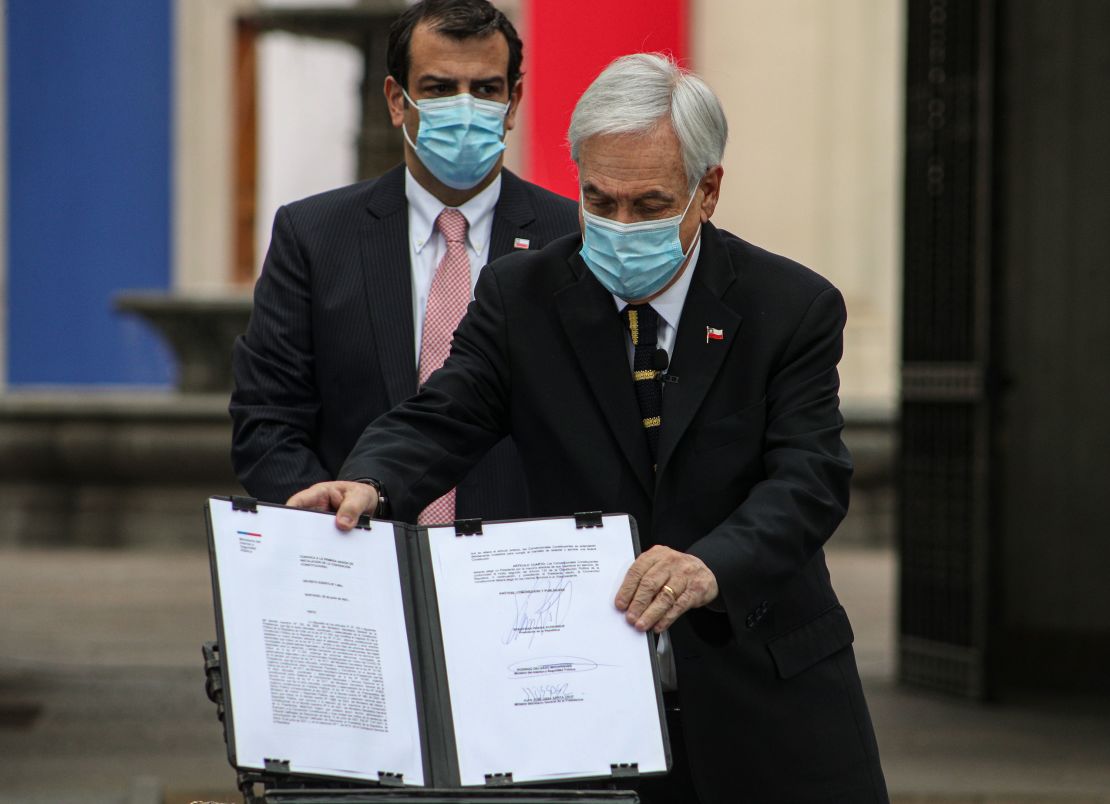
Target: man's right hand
pixel 347 498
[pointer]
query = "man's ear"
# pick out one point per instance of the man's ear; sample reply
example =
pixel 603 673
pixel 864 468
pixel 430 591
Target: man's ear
pixel 514 104
pixel 711 187
pixel 395 100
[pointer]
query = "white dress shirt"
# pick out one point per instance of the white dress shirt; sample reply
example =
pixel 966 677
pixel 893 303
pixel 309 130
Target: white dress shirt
pixel 669 307
pixel 427 246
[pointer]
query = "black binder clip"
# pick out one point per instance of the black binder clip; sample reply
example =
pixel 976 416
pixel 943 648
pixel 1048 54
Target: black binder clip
pixel 587 519
pixel 624 769
pixel 363 522
pixel 240 503
pixel 276 765
pixel 211 651
pixel 390 779
pixel 468 527
pixel 498 779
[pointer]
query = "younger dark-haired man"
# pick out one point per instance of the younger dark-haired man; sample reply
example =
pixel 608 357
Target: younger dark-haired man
pixel 362 286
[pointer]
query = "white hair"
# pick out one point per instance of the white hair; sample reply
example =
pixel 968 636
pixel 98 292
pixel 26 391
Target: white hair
pixel 634 93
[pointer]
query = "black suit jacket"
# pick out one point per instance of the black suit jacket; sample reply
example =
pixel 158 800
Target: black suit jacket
pixel 330 346
pixel 752 477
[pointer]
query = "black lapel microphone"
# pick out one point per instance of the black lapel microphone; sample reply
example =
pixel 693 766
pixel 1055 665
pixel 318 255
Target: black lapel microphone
pixel 659 362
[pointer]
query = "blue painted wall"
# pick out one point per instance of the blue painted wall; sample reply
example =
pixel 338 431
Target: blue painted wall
pixel 89 166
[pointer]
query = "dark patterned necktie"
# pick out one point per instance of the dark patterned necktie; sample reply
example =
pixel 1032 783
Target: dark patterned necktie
pixel 643 325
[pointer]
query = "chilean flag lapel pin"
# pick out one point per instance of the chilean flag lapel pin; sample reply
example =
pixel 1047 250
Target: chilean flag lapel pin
pixel 521 242
pixel 714 334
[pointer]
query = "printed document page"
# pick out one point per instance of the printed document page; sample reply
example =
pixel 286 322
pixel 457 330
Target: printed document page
pixel 315 644
pixel 547 680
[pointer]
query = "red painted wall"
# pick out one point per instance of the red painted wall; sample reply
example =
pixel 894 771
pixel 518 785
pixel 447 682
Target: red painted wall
pixel 568 43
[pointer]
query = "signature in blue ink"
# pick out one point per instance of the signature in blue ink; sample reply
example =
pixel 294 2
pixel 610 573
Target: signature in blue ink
pixel 550 666
pixel 538 612
pixel 545 692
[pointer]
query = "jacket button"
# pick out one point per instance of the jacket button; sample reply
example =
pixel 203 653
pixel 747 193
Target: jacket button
pixel 751 621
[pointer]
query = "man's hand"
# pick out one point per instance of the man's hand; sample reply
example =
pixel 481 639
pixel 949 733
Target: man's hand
pixel 662 585
pixel 348 499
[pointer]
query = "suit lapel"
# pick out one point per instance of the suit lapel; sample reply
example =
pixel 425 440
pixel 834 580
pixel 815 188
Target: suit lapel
pixel 695 359
pixel 590 320
pixel 511 217
pixel 388 283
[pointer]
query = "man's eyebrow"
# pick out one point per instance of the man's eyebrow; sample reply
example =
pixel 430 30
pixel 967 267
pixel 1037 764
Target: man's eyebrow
pixel 430 78
pixel 492 79
pixel 589 188
pixel 652 195
pixel 437 79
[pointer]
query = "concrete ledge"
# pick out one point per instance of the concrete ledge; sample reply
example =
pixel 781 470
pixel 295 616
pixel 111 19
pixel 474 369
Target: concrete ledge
pixel 111 468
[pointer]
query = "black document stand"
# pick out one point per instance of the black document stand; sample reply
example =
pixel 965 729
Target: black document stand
pixel 429 796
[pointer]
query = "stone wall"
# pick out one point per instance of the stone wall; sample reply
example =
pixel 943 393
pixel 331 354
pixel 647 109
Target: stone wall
pixel 117 469
pixel 111 469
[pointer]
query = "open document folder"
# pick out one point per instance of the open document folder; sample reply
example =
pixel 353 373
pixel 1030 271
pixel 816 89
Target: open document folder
pixel 470 654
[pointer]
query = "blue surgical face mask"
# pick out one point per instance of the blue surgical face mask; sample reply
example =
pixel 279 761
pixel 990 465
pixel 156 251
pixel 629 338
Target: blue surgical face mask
pixel 633 260
pixel 460 138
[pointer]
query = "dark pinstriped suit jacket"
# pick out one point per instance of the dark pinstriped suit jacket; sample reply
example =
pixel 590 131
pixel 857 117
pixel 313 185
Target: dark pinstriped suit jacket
pixel 330 345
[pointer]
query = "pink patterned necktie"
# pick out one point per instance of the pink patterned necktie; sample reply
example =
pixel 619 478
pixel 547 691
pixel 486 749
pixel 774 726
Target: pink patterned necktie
pixel 447 301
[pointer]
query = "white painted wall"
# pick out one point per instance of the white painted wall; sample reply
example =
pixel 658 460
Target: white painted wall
pixel 308 121
pixel 204 50
pixel 308 106
pixel 813 170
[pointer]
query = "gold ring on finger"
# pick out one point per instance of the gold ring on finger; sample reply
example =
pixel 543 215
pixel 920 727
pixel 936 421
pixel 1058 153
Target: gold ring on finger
pixel 674 594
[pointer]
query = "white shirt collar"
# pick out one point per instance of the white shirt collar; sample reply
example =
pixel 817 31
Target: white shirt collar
pixel 669 303
pixel 425 208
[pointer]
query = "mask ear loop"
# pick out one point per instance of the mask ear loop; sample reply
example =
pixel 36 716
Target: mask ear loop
pixel 404 128
pixel 505 114
pixel 693 195
pixel 697 235
pixel 509 103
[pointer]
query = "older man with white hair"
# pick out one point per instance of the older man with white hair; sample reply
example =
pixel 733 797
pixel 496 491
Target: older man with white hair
pixel 657 365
